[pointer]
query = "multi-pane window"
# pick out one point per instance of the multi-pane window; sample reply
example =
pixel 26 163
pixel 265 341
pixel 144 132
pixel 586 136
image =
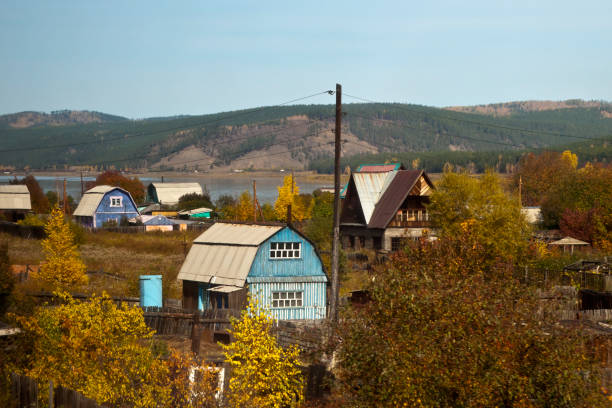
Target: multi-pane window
pixel 285 250
pixel 286 299
pixel 115 201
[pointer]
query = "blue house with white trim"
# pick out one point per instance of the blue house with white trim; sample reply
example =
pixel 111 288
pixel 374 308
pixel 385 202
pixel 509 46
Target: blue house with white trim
pixel 103 204
pixel 276 264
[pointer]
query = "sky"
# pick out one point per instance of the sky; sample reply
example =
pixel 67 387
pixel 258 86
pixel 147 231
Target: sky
pixel 159 58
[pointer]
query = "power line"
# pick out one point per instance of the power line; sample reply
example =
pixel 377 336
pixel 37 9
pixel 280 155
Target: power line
pixel 475 122
pixel 172 129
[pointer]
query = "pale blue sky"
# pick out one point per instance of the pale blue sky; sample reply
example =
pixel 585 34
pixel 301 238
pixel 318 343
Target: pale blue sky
pixel 153 58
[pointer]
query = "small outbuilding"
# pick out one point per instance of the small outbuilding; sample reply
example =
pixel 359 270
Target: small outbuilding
pixel 202 212
pixel 275 264
pixel 15 201
pixel 169 193
pixel 105 204
pixel 568 244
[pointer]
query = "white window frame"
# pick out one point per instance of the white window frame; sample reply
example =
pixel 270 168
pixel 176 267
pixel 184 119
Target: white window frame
pixel 112 201
pixel 287 299
pixel 285 250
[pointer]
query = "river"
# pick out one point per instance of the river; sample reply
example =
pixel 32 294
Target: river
pixel 216 185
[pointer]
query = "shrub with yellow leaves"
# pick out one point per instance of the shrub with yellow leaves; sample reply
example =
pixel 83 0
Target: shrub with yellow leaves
pixel 264 374
pixel 63 268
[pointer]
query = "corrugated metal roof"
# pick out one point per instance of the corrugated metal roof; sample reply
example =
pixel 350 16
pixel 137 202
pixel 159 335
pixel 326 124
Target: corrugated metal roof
pixel 91 200
pixel 14 197
pixel 393 197
pixel 370 187
pixel 155 220
pixel 169 193
pixel 195 211
pixel 220 264
pixel 237 234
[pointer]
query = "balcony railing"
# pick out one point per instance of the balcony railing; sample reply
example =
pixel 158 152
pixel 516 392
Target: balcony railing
pixel 410 224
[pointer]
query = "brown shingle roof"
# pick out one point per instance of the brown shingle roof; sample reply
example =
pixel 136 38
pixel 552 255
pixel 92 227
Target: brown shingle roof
pixel 394 196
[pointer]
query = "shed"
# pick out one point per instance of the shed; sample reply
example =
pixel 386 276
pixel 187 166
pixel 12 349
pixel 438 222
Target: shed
pixel 202 212
pixel 169 193
pixel 275 264
pixel 568 243
pixel 15 201
pixel 155 223
pixel 104 204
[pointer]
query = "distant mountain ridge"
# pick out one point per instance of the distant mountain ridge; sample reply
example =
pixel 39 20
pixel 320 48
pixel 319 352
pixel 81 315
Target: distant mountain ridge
pixel 510 108
pixel 28 119
pixel 292 137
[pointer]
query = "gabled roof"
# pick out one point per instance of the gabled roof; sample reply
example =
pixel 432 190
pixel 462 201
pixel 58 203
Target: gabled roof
pixel 169 193
pixel 569 241
pixel 155 220
pixel 370 187
pixel 224 253
pixel 14 197
pixel 91 200
pixel 394 196
pixel 195 211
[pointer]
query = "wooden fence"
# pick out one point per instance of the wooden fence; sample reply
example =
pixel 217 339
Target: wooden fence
pixel 24 231
pixel 25 393
pixel 547 278
pixel 174 321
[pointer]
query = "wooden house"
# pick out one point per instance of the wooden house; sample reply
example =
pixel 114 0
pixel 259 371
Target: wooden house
pixel 383 208
pixel 169 193
pixel 275 264
pixel 15 201
pixel 105 204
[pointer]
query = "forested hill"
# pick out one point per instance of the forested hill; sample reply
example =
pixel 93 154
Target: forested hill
pixel 297 136
pixel 56 118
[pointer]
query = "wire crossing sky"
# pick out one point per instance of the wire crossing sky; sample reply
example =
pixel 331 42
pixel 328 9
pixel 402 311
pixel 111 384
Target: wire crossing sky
pixel 142 59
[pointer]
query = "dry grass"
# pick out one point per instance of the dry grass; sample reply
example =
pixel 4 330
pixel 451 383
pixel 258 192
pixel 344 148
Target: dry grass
pixel 126 255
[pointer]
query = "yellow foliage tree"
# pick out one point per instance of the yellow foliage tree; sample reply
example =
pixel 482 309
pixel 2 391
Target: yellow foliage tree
pixel 244 207
pixel 97 349
pixel 570 158
pixel 286 196
pixel 264 375
pixel 63 267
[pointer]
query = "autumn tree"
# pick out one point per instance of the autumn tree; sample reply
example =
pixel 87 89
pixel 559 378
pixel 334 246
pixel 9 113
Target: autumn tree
pixel 62 267
pixel 289 194
pixel 98 349
pixel 539 173
pixel 244 207
pixel 494 216
pixel 581 205
pixel 226 206
pixel 114 178
pixel 40 204
pixel 263 373
pixel 445 328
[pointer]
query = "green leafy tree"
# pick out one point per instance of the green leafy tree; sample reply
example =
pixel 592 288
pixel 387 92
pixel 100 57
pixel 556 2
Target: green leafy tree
pixel 493 216
pixel 62 267
pixel 194 200
pixel 226 206
pixel 445 328
pixel 263 373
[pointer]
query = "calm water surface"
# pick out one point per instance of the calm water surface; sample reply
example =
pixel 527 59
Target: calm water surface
pixel 266 185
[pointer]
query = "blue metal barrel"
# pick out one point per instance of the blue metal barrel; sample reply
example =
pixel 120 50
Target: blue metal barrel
pixel 151 290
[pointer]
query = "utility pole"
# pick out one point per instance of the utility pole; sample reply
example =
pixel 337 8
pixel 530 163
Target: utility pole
pixel 254 201
pixel 336 242
pixel 82 187
pixel 64 203
pixel 521 191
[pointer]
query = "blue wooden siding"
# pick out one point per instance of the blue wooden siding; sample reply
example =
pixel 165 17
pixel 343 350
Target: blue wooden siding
pixel 313 294
pixel 308 264
pixel 203 302
pixel 304 274
pixel 105 212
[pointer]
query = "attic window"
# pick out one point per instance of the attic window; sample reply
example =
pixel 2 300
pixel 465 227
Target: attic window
pixel 287 299
pixel 116 201
pixel 285 250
